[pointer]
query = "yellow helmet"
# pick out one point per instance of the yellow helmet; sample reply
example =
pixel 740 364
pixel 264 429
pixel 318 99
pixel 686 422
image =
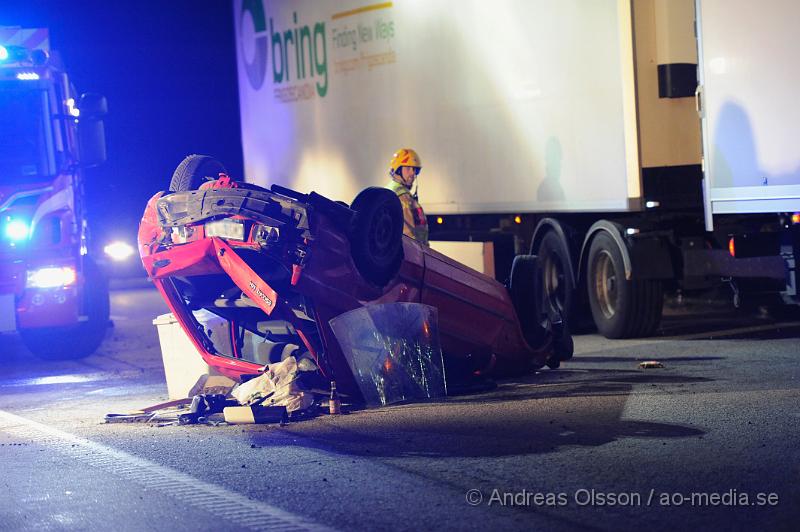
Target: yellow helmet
pixel 404 157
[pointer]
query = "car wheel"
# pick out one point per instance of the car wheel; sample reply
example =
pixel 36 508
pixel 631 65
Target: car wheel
pixel 78 341
pixel 527 297
pixel 193 171
pixel 558 288
pixel 621 308
pixel 376 234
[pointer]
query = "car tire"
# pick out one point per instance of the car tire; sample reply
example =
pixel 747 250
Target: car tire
pixel 621 308
pixel 76 341
pixel 193 171
pixel 376 234
pixel 526 295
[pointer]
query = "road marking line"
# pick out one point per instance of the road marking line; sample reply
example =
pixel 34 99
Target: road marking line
pixel 188 490
pixel 76 378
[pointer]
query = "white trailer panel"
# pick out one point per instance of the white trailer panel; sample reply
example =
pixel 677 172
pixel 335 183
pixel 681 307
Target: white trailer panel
pixel 521 105
pixel 749 76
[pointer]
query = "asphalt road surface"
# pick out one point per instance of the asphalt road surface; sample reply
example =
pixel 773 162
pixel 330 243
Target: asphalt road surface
pixel 710 440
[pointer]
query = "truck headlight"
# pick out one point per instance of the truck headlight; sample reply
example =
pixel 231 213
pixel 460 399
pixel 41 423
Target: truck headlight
pixel 51 277
pixel 118 251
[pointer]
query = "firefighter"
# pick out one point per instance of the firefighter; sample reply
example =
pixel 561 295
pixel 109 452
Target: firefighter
pixel 404 169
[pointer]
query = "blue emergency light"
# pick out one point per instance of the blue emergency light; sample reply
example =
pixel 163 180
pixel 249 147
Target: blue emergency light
pixel 16 230
pixel 20 54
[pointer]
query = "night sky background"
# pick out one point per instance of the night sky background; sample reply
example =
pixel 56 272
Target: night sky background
pixel 168 71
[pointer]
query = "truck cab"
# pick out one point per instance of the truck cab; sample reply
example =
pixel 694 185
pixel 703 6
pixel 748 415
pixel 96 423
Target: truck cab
pixel 51 290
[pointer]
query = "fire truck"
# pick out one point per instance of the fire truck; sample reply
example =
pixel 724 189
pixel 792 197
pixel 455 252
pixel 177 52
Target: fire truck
pixel 52 291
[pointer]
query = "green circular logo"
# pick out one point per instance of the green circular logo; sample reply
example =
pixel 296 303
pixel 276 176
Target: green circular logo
pixel 252 33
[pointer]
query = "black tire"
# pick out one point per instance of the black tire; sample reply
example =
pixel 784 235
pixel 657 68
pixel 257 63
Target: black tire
pixel 526 295
pixel 193 171
pixel 376 234
pixel 621 308
pixel 78 341
pixel 558 287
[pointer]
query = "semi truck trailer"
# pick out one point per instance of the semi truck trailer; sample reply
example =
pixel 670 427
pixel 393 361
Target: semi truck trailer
pixel 637 147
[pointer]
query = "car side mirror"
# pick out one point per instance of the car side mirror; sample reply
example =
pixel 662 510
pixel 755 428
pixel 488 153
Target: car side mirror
pixel 91 131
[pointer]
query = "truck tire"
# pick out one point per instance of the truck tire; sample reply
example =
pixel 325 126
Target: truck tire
pixel 558 287
pixel 83 339
pixel 621 308
pixel 376 234
pixel 193 171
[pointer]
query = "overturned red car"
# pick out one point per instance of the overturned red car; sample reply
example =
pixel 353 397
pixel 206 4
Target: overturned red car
pixel 253 274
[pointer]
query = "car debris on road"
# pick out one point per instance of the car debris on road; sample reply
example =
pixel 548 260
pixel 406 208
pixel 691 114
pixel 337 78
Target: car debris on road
pixel 275 396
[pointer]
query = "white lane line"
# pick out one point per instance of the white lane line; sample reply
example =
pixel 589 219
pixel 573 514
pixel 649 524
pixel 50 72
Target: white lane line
pixel 76 378
pixel 243 512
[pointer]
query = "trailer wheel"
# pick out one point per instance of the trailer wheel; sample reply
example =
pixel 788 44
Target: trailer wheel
pixel 558 288
pixel 78 341
pixel 376 234
pixel 621 308
pixel 193 171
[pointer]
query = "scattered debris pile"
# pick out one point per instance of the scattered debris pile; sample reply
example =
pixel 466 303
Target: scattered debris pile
pixel 277 395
